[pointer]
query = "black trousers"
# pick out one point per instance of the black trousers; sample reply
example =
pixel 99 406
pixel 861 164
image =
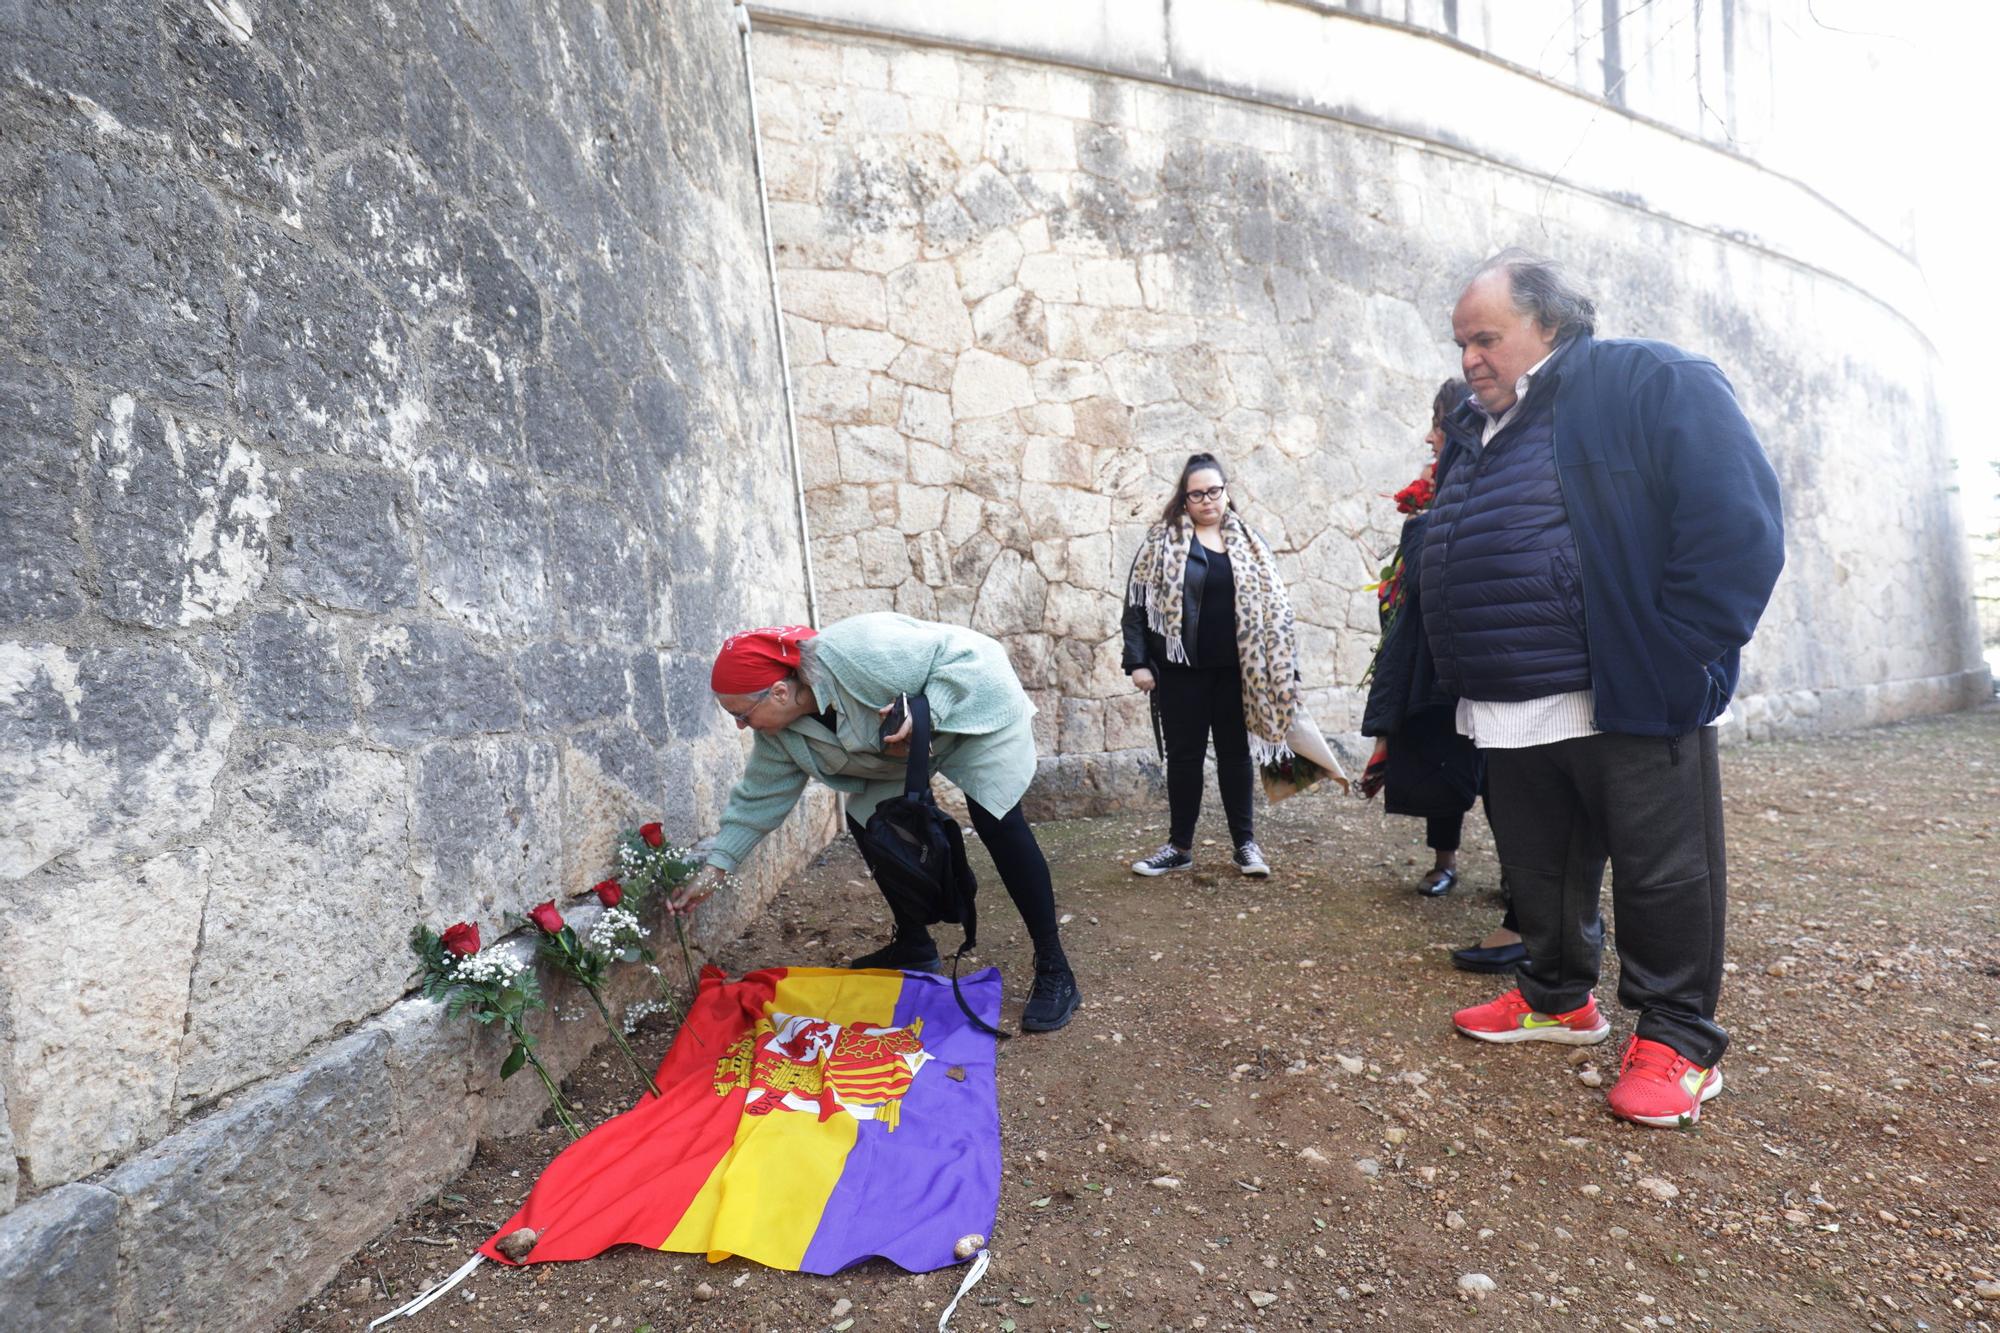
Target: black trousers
pixel 1443 832
pixel 1653 806
pixel 1195 703
pixel 1023 869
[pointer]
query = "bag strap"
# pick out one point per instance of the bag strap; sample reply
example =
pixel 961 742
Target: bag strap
pixel 966 1009
pixel 917 776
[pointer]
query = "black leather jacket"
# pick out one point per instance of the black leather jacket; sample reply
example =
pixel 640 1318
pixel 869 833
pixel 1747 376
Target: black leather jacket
pixel 1144 647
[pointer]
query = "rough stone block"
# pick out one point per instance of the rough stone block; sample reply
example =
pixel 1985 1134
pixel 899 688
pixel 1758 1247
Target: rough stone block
pixel 324 366
pixel 476 389
pixel 286 669
pixel 98 972
pixel 424 682
pixel 989 199
pixel 181 517
pixel 243 1214
pixel 59 1262
pixel 598 564
pixel 567 684
pixel 864 348
pixel 103 751
pixel 130 278
pixel 398 231
pixel 238 124
pixel 870 454
pixel 486 541
pixel 347 540
pixel 985 385
pixel 835 297
pixel 40 558
pixel 833 393
pixel 926 308
pixel 990 265
pixel 484 834
pixel 315 835
pixel 1010 596
pixel 613 780
pixel 884 558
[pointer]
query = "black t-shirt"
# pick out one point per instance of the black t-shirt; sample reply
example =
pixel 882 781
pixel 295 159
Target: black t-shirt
pixel 1215 638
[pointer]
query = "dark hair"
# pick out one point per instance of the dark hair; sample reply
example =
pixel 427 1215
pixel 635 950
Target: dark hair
pixel 1449 395
pixel 1542 289
pixel 1177 506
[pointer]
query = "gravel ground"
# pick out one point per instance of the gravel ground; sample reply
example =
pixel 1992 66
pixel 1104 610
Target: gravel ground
pixel 1261 1119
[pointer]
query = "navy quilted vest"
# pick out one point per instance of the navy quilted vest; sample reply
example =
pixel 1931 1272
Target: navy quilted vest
pixel 1503 599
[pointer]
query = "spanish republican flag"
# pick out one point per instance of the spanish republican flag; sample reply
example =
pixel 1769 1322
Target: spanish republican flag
pixel 809 1118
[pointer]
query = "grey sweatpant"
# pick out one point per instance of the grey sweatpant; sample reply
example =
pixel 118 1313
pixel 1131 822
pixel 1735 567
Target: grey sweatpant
pixel 1653 806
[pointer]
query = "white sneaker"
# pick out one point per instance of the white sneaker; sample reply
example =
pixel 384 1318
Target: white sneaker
pixel 1164 862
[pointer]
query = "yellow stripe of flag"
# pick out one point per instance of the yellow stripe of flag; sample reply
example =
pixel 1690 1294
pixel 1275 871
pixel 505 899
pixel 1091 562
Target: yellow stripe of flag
pixel 765 1197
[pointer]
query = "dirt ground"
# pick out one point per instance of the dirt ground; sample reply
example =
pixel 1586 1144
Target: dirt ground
pixel 1282 1050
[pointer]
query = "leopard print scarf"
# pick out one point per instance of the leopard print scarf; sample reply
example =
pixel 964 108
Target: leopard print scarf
pixel 1266 641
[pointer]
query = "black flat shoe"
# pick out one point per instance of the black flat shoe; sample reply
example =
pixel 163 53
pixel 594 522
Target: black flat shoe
pixel 1439 887
pixel 1499 958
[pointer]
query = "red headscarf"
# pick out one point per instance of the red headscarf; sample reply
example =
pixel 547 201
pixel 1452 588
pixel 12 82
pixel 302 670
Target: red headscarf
pixel 757 659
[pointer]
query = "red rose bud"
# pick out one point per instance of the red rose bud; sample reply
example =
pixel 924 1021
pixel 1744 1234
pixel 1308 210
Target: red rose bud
pixel 653 834
pixel 546 917
pixel 461 940
pixel 609 893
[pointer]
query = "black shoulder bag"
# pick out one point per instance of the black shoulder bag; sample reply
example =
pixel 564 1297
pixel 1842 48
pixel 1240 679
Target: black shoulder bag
pixel 917 855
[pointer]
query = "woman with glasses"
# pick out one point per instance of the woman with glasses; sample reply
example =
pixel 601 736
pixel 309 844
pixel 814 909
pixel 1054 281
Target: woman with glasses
pixel 819 700
pixel 1208 633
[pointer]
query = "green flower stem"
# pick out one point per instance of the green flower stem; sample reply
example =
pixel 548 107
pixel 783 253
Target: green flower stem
pixel 619 1037
pixel 556 1099
pixel 687 959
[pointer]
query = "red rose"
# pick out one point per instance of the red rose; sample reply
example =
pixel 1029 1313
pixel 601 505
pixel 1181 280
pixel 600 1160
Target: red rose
pixel 1416 496
pixel 461 940
pixel 653 834
pixel 609 893
pixel 545 916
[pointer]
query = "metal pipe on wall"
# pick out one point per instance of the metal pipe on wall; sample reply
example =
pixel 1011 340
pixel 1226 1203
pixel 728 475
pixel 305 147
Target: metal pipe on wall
pixel 778 319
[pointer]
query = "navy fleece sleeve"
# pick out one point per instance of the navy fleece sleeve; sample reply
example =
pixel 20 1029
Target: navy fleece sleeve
pixel 1726 540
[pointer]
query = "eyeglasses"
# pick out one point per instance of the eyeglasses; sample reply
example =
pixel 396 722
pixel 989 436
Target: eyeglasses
pixel 743 718
pixel 1212 493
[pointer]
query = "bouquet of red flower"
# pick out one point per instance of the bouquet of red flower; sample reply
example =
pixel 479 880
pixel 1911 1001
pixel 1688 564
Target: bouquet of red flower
pixel 1417 496
pixel 489 985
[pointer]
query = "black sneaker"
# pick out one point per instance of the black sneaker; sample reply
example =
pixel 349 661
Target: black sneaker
pixel 1054 998
pixel 1165 861
pixel 1250 859
pixel 905 953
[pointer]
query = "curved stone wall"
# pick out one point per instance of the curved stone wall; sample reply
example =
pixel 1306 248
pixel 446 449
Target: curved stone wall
pixel 1021 290
pixel 393 422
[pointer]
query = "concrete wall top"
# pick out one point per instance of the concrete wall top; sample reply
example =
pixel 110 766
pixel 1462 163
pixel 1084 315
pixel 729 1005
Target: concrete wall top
pixel 1406 73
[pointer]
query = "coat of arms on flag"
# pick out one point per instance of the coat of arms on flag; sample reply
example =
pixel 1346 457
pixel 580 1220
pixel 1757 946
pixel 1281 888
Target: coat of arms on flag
pixel 809 1118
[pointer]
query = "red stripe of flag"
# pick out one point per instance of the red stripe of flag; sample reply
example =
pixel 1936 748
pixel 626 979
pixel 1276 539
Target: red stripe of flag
pixel 629 1180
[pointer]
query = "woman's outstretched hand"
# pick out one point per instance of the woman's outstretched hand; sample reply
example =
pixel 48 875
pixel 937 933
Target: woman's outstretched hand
pixel 695 890
pixel 1143 678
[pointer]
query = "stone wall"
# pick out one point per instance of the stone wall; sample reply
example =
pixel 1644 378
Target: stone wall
pixel 393 421
pixel 1018 294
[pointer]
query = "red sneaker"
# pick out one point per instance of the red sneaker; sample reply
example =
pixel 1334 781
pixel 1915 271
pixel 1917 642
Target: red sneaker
pixel 1510 1018
pixel 1657 1085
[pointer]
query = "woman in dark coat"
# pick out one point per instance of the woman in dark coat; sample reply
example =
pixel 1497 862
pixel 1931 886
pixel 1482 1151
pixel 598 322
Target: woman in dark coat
pixel 1421 764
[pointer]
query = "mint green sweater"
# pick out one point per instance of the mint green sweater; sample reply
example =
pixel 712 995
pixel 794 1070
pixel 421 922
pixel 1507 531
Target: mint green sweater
pixel 982 736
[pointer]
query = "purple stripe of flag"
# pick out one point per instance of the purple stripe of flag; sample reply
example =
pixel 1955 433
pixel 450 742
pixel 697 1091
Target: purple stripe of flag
pixel 909 1195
